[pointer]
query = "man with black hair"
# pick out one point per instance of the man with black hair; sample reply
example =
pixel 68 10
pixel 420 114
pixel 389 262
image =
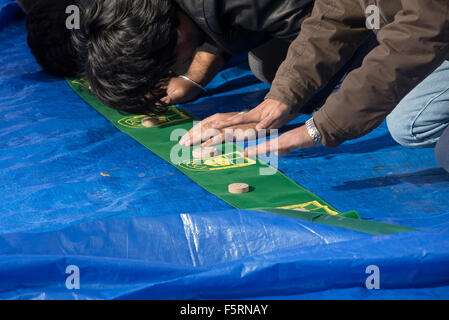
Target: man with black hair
pixel 48 37
pixel 133 49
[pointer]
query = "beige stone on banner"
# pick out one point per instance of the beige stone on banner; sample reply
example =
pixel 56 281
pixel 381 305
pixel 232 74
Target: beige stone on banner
pixel 206 152
pixel 238 188
pixel 150 122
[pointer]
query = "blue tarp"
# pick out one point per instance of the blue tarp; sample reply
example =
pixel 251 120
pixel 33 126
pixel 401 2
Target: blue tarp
pixel 76 191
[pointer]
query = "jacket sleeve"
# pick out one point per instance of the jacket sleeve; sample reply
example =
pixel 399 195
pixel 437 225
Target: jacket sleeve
pixel 328 39
pixel 211 47
pixel 411 47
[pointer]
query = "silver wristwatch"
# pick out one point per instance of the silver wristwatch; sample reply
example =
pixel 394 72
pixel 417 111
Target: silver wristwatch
pixel 313 131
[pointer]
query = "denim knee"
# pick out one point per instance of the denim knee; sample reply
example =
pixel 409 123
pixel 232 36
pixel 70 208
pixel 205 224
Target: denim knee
pixel 400 129
pixel 414 124
pixel 420 118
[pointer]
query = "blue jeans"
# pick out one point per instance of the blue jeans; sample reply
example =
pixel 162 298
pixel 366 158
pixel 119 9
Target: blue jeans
pixel 420 118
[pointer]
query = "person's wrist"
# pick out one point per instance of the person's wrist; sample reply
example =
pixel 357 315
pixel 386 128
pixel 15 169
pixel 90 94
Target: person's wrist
pixel 192 81
pixel 198 77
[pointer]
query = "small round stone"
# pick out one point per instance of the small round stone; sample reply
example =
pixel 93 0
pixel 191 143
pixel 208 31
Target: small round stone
pixel 238 188
pixel 206 152
pixel 150 122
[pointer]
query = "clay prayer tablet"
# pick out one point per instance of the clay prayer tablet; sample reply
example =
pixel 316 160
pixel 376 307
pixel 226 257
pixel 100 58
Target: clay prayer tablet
pixel 150 122
pixel 238 188
pixel 206 152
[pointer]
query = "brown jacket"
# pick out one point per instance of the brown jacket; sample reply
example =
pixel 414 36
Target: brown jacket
pixel 413 42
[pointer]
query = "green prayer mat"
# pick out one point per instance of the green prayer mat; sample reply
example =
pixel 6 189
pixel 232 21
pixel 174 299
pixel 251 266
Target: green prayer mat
pixel 274 193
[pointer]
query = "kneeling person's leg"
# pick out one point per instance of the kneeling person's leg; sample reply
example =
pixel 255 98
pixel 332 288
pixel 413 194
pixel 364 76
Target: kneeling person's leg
pixel 421 117
pixel 265 60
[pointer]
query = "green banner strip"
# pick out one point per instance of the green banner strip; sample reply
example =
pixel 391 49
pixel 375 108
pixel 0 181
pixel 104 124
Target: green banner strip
pixel 342 221
pixel 276 192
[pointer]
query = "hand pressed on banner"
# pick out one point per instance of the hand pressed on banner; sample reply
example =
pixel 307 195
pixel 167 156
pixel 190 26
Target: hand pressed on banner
pixel 180 90
pixel 297 138
pixel 270 114
pixel 204 132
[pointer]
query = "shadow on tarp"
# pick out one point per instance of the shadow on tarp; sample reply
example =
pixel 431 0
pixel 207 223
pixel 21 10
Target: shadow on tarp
pixel 76 191
pixel 428 176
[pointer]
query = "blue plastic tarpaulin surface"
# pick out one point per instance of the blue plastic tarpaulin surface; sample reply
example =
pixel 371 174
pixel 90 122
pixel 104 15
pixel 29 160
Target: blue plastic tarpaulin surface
pixel 75 191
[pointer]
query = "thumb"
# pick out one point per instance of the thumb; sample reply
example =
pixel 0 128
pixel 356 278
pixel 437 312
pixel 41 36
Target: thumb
pixel 263 148
pixel 264 124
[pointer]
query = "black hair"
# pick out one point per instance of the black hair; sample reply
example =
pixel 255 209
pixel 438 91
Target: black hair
pixel 49 39
pixel 127 49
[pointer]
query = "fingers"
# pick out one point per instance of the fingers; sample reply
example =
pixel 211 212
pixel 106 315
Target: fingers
pixel 276 124
pixel 149 96
pixel 275 120
pixel 242 134
pixel 188 138
pixel 174 95
pixel 232 135
pixel 261 149
pixel 275 146
pixel 166 100
pixel 199 133
pixel 289 141
pixel 238 119
pixel 171 90
pixel 267 115
pixel 266 123
pixel 213 136
pixel 216 140
pixel 196 133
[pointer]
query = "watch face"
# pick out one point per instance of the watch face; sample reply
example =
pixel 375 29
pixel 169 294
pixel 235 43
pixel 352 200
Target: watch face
pixel 313 131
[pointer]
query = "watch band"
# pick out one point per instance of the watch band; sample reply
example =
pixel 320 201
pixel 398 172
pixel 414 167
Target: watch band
pixel 313 131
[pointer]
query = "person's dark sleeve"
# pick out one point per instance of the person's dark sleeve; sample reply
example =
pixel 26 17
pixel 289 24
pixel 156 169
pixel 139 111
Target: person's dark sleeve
pixel 210 46
pixel 411 47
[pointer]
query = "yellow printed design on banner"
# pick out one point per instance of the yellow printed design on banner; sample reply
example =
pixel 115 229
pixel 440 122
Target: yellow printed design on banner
pixel 172 116
pixel 225 161
pixel 82 85
pixel 310 207
pixel 82 82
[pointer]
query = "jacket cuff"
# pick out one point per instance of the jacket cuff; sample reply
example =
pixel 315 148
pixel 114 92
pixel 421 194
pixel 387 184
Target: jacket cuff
pixel 331 135
pixel 280 98
pixel 282 91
